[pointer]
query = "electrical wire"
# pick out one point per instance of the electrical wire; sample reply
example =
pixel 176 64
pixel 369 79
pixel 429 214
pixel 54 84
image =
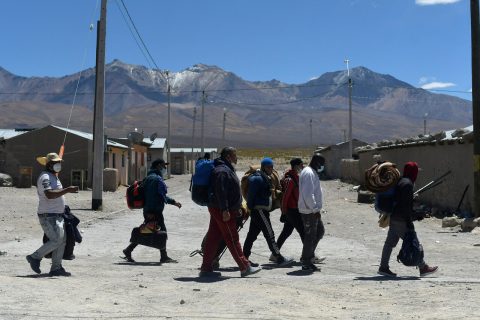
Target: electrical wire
pixel 140 38
pixel 62 147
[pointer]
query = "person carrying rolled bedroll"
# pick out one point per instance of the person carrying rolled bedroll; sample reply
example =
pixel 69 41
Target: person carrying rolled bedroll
pixel 401 220
pixel 51 206
pixel 259 201
pixel 155 200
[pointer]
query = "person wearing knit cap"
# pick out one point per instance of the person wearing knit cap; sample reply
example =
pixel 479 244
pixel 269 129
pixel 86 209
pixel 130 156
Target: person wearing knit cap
pixel 401 220
pixel 259 201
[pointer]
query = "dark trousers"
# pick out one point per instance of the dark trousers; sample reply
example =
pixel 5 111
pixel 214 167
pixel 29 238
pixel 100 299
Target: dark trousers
pixel 314 231
pixel 396 231
pixel 293 220
pixel 161 224
pixel 222 230
pixel 260 222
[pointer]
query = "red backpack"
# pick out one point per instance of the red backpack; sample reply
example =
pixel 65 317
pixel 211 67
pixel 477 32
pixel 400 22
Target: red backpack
pixel 135 195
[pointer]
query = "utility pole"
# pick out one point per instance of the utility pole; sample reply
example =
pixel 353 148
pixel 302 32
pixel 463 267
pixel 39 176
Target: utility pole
pixel 193 136
pixel 425 124
pixel 224 124
pixel 203 123
pixel 350 85
pixel 98 125
pixel 168 133
pixel 311 133
pixel 475 25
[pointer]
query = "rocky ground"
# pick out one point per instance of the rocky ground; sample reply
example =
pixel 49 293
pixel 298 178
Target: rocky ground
pixel 103 286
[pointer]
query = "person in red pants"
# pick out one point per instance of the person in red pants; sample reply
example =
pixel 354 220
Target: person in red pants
pixel 224 207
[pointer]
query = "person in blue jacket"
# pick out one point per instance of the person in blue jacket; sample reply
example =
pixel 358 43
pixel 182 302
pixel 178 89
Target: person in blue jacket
pixel 259 201
pixel 155 200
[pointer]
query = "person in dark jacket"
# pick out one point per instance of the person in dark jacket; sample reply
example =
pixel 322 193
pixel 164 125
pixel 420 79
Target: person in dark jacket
pixel 155 200
pixel 224 208
pixel 401 220
pixel 259 201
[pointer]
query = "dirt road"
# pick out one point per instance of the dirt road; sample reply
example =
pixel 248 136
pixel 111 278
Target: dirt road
pixel 103 286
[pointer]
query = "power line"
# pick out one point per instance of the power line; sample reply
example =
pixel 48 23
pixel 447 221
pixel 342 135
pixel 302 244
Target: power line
pixel 140 37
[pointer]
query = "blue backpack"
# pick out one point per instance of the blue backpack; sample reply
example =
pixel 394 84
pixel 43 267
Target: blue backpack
pixel 385 201
pixel 200 185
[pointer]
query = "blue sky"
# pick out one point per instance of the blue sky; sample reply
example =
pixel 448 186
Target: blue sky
pixel 423 42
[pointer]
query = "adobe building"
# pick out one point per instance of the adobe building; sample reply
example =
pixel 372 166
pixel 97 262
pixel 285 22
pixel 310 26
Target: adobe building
pixel 335 153
pixel 19 154
pixel 447 151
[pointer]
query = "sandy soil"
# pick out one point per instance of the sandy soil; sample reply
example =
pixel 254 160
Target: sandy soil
pixel 103 286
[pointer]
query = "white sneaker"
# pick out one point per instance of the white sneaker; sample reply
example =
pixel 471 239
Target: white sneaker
pixel 250 270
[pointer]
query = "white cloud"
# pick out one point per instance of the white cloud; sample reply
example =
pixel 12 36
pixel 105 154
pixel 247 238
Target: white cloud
pixel 437 85
pixel 470 90
pixel 426 79
pixel 434 2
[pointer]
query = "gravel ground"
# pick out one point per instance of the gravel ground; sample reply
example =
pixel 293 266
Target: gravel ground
pixel 103 286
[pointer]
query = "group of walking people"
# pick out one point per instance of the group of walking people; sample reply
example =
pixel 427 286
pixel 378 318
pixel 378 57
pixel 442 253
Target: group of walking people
pixel 298 194
pixel 301 206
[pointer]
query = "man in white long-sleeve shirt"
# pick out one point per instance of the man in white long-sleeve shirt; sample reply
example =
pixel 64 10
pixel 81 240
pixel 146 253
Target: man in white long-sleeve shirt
pixel 310 202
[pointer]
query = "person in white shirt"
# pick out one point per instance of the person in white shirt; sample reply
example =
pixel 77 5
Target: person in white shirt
pixel 310 202
pixel 51 206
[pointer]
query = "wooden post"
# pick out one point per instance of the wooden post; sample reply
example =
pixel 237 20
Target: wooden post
pixel 98 125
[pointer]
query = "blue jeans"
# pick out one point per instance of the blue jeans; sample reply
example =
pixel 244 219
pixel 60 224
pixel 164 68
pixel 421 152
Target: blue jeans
pixel 53 228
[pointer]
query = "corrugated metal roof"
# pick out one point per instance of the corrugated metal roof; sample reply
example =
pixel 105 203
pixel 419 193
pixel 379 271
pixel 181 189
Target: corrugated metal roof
pixel 188 150
pixel 158 143
pixel 10 133
pixel 89 136
pixel 448 134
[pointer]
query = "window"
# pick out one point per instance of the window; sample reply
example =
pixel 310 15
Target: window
pixel 114 160
pixel 123 160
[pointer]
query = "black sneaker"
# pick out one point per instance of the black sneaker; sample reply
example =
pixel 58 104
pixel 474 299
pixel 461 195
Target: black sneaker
pixel 253 264
pixel 168 260
pixel 284 261
pixel 70 257
pixel 209 274
pixel 310 267
pixel 128 255
pixel 386 272
pixel 34 264
pixel 59 273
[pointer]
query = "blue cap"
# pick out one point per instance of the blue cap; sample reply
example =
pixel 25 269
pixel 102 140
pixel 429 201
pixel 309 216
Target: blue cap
pixel 266 162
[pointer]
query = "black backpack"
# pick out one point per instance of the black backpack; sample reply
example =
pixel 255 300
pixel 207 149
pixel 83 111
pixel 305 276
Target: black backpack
pixel 411 253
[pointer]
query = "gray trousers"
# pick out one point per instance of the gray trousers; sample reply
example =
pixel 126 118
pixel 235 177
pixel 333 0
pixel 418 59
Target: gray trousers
pixel 53 228
pixel 396 231
pixel 314 231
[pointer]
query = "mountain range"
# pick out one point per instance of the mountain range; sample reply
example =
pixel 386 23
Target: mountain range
pixel 258 113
